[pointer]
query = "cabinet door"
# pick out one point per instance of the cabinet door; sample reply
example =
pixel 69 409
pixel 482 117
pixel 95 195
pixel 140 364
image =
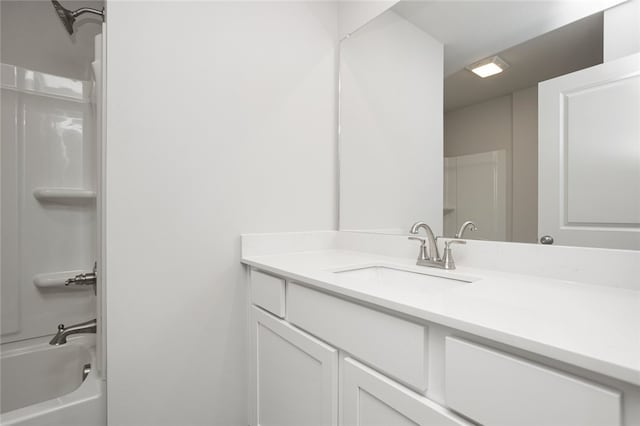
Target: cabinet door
pixel 371 399
pixel 294 377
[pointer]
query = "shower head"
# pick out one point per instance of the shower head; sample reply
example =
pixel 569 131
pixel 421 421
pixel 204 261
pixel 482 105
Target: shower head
pixel 68 17
pixel 65 15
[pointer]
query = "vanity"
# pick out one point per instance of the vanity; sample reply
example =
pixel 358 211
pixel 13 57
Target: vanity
pixel 362 327
pixel 345 329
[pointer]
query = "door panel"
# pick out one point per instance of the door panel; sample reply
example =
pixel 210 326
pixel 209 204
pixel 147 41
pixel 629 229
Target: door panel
pixel 589 148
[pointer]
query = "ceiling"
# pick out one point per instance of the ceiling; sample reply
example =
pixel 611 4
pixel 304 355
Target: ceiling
pixel 565 50
pixel 539 39
pixel 475 29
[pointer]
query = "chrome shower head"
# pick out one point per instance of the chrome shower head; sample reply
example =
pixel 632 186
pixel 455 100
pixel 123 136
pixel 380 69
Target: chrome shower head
pixel 65 15
pixel 68 17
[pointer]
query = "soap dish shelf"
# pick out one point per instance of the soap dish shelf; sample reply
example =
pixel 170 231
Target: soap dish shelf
pixel 64 195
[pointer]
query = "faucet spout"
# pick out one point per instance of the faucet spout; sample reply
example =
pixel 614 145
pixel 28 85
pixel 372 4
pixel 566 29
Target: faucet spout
pixel 63 332
pixel 471 226
pixel 431 246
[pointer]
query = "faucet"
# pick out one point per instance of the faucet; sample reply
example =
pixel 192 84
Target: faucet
pixel 428 249
pixel 428 255
pixel 467 225
pixel 84 327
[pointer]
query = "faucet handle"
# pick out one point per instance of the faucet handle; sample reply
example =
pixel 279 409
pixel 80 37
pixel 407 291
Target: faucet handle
pixel 423 247
pixel 447 244
pixel 447 258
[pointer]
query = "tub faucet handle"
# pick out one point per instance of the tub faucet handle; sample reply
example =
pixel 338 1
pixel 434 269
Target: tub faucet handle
pixel 86 278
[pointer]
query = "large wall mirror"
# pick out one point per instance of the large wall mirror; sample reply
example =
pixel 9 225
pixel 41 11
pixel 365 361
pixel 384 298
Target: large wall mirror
pixel 547 148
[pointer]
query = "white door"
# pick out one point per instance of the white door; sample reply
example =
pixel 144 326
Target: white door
pixel 371 399
pixel 476 189
pixel 294 377
pixel 589 156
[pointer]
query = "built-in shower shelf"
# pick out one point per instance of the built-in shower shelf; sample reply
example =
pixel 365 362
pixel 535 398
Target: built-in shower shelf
pixel 448 210
pixel 64 195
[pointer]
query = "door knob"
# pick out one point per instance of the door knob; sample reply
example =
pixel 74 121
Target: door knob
pixel 546 239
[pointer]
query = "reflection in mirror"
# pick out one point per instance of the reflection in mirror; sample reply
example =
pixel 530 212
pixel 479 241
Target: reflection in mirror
pixel 548 147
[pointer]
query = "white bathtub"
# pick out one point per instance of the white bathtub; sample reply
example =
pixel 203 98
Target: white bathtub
pixel 43 384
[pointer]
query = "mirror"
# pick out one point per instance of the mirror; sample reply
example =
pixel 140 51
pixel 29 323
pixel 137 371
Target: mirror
pixel 548 148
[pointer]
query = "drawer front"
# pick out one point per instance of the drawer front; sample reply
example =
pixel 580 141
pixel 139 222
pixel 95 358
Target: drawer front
pixel 369 398
pixel 392 345
pixel 267 292
pixel 494 388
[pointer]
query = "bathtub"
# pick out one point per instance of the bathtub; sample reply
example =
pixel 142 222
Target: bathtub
pixel 51 385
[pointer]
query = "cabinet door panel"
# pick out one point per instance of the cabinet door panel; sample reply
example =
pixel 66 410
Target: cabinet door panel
pixel 293 376
pixel 371 399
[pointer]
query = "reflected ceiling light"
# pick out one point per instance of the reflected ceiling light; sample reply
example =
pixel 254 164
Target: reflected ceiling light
pixel 488 67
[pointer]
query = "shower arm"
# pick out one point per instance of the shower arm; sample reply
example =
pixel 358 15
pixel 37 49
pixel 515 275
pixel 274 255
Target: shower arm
pixel 84 10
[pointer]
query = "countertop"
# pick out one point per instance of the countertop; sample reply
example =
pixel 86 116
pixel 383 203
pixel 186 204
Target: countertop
pixel 590 326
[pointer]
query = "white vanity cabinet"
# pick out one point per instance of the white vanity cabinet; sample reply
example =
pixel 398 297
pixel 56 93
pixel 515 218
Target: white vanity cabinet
pixel 333 360
pixel 294 376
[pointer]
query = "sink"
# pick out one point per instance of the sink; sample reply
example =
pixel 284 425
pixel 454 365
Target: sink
pixel 393 276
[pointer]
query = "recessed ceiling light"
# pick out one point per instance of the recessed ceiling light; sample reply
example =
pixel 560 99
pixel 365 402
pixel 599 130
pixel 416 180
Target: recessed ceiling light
pixel 488 67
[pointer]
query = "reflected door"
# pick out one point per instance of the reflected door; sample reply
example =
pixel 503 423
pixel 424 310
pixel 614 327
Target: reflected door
pixel 589 156
pixel 475 189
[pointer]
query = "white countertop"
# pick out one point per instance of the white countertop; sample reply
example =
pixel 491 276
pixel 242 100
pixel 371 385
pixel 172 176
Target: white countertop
pixel 590 326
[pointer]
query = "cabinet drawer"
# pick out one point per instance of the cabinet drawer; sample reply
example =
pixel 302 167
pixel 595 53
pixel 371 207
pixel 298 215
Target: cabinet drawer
pixel 390 344
pixel 267 292
pixel 494 388
pixel 371 398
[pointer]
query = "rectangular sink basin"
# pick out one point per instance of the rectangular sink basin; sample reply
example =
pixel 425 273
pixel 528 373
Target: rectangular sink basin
pixel 390 276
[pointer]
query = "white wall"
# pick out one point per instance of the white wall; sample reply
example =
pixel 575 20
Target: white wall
pixel 33 37
pixel 524 225
pixel 479 128
pixel 219 122
pixel 510 123
pixel 391 171
pixel 622 30
pixel 355 13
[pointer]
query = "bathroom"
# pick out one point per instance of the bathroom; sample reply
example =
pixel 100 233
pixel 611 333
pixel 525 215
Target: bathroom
pixel 205 157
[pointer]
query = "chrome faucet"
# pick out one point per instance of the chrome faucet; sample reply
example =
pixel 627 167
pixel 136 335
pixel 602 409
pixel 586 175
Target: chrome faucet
pixel 84 327
pixel 471 226
pixel 428 255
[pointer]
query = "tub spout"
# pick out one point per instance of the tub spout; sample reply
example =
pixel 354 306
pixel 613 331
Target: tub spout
pixel 61 336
